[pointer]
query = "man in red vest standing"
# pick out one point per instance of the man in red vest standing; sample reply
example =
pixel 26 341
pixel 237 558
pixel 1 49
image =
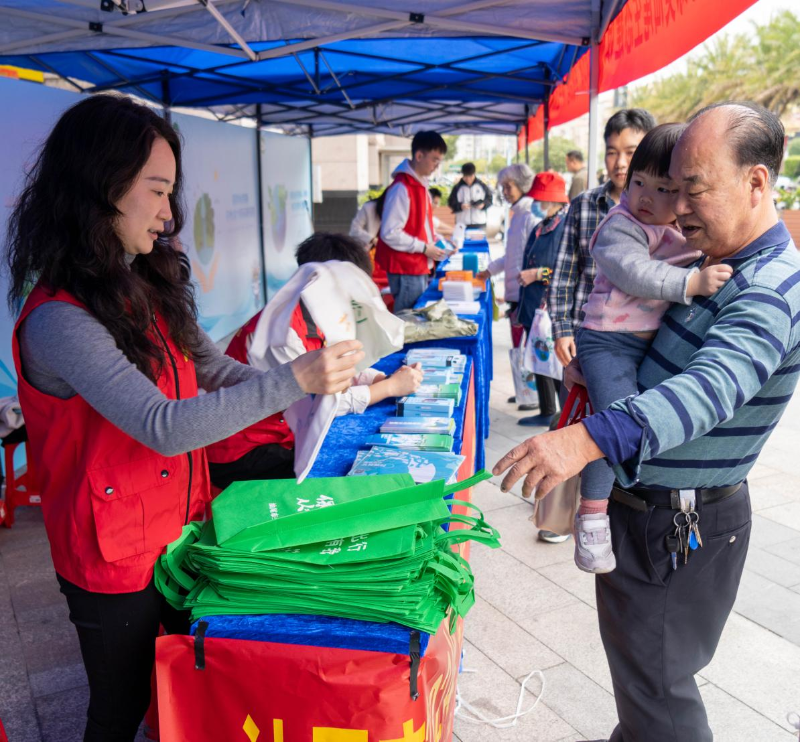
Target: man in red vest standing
pixel 406 244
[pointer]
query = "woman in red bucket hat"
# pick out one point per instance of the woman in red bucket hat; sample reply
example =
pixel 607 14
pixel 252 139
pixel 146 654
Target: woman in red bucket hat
pixel 550 204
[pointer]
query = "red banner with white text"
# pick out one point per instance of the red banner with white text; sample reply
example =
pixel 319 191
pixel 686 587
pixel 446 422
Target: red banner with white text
pixel 645 37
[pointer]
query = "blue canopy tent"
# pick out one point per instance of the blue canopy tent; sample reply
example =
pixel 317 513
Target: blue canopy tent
pixel 319 67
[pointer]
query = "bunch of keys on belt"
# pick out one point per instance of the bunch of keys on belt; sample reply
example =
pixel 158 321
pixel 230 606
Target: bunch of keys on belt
pixel 686 537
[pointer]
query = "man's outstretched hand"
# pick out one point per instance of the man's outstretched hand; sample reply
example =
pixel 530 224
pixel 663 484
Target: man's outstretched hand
pixel 548 459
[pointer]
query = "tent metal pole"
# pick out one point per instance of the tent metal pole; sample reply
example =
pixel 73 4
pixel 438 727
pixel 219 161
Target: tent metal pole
pixel 594 87
pixel 311 174
pixel 591 176
pixel 546 152
pixel 166 97
pixel 260 209
pixel 527 133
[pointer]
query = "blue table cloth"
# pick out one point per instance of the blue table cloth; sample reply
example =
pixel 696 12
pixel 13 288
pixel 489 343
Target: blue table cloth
pixel 347 434
pixel 478 347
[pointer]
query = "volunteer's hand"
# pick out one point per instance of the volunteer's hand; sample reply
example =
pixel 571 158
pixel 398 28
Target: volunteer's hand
pixel 565 350
pixel 406 380
pixel 484 275
pixel 528 276
pixel 709 280
pixel 547 459
pixel 329 370
pixel 478 205
pixel 435 252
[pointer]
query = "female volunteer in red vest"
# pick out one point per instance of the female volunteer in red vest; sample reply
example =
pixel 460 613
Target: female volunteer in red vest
pixel 109 359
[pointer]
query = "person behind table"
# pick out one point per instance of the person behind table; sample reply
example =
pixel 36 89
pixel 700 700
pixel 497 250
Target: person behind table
pixel 440 229
pixel 109 359
pixel 641 260
pixel 576 166
pixel 366 224
pixel 406 246
pixel 265 450
pixel 516 181
pixel 550 205
pixel 470 198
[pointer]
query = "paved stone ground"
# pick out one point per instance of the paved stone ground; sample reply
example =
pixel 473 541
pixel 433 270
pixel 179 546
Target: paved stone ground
pixel 535 610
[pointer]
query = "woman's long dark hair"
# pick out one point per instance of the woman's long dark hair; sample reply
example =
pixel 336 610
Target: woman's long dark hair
pixel 61 232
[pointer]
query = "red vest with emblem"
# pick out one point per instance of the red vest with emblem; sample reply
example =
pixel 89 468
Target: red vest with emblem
pixel 110 503
pixel 273 429
pixel 419 212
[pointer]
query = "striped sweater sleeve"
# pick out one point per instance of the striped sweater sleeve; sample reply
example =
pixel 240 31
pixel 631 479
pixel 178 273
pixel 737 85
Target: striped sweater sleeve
pixel 749 339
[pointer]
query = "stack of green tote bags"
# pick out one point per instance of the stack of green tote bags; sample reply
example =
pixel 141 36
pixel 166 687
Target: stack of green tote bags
pixel 370 548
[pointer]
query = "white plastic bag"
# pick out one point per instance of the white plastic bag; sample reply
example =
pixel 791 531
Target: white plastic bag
pixel 540 356
pixel 524 383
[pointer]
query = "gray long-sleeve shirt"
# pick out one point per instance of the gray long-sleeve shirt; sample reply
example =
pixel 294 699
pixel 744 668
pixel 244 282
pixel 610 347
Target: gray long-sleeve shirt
pixel 66 351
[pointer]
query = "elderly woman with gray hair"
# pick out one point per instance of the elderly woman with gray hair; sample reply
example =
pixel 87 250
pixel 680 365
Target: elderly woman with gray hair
pixel 516 181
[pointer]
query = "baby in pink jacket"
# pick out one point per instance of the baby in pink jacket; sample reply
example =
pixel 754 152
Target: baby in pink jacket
pixel 643 266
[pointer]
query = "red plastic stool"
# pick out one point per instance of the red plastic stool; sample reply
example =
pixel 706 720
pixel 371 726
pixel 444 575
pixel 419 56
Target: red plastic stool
pixel 21 488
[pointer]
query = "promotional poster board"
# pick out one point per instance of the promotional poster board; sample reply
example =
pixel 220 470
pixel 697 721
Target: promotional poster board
pixel 220 235
pixel 286 199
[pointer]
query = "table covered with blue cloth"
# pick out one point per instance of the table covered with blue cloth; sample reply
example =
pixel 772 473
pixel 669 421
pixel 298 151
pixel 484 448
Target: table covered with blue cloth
pixel 347 434
pixel 479 348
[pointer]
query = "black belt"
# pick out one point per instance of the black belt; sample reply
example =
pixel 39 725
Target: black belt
pixel 640 498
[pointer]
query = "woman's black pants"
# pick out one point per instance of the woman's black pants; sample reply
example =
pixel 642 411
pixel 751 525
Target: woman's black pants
pixel 117 634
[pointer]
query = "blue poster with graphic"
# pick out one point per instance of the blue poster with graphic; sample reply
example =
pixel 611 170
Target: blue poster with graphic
pixel 286 199
pixel 221 233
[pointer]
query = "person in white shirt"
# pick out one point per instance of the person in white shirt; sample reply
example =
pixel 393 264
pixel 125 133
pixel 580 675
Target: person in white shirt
pixel 441 230
pixel 470 198
pixel 366 224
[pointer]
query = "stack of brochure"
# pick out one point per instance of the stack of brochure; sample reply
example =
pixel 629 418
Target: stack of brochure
pixel 412 442
pixel 437 358
pixel 440 425
pixel 423 466
pixel 418 406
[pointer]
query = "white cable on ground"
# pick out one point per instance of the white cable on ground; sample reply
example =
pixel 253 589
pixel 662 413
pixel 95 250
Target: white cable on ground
pixel 503 722
pixel 794 721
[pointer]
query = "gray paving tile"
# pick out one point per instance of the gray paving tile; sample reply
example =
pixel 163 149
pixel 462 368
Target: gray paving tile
pixel 57 679
pixel 63 715
pixel 567 576
pixel 519 537
pixel 772 490
pixel 773 567
pixel 513 588
pixel 580 702
pixel 788 550
pixel 770 605
pixel 49 640
pixel 488 497
pixel 733 721
pixel 572 633
pixel 506 643
pixel 766 533
pixel 495 694
pixel 788 514
pixel 757 667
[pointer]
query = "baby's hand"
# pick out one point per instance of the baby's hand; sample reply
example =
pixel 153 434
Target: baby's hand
pixel 709 280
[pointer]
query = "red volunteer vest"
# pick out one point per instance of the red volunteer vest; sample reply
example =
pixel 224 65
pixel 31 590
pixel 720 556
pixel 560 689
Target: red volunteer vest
pixel 273 429
pixel 110 503
pixel 406 263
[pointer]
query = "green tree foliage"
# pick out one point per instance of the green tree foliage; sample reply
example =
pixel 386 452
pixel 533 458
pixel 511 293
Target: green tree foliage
pixel 559 146
pixel 791 166
pixel 764 68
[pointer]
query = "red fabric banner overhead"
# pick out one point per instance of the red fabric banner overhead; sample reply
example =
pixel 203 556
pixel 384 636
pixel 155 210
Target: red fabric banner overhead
pixel 644 38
